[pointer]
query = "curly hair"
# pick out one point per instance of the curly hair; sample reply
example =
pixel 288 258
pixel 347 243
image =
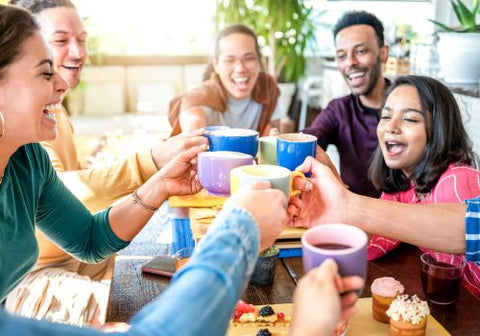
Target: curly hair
pixel 16 25
pixel 353 18
pixel 447 139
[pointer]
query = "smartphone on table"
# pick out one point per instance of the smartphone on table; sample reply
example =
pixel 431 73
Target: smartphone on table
pixel 162 265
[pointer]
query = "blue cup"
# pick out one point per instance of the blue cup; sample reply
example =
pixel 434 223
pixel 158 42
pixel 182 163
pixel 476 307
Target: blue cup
pixel 209 129
pixel 293 149
pixel 234 140
pixel 215 128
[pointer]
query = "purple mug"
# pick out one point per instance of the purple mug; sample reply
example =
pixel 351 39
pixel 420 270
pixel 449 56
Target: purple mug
pixel 345 244
pixel 213 169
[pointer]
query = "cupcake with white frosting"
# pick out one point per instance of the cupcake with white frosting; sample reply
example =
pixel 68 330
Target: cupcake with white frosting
pixel 408 316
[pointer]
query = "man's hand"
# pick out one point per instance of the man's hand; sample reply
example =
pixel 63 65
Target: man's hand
pixel 175 145
pixel 322 299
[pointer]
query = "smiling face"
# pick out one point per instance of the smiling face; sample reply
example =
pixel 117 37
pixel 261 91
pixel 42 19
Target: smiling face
pixel 63 30
pixel 237 64
pixel 402 129
pixel 29 93
pixel 359 58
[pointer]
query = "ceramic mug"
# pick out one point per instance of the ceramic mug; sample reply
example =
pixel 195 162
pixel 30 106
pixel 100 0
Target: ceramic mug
pixel 346 244
pixel 267 150
pixel 213 170
pixel 280 178
pixel 293 149
pixel 234 140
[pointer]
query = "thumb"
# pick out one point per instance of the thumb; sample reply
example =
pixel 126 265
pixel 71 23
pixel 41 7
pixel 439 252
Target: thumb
pixel 257 185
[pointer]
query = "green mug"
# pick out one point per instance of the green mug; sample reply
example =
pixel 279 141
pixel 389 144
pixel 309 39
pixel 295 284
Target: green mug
pixel 267 153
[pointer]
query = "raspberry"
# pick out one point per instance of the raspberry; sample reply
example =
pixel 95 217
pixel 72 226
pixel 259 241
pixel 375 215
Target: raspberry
pixel 281 316
pixel 264 332
pixel 242 307
pixel 266 311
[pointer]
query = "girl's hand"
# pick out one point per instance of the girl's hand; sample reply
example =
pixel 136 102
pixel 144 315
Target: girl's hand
pixel 321 199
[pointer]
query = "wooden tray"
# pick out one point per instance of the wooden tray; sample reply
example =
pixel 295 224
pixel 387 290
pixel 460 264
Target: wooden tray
pixel 361 324
pixel 201 199
pixel 201 218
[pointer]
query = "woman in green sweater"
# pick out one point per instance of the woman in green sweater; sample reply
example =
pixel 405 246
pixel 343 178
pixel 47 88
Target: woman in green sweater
pixel 31 195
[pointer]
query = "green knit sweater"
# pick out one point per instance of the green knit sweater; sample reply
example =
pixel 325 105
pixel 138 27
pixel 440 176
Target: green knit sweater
pixel 31 195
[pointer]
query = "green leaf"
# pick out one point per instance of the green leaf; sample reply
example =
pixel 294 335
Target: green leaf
pixel 466 18
pixel 443 26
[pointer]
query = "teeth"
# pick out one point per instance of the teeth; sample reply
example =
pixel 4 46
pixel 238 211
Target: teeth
pixel 393 144
pixel 71 66
pixel 356 74
pixel 51 111
pixel 240 79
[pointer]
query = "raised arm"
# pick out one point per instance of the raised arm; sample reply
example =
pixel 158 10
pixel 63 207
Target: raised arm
pixel 192 119
pixel 325 200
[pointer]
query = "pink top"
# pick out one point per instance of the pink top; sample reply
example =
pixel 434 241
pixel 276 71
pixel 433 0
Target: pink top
pixel 387 287
pixel 456 184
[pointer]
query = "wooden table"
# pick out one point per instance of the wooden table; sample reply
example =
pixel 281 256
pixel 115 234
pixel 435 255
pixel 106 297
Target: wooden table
pixel 131 289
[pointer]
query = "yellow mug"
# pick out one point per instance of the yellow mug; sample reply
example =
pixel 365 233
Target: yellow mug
pixel 280 178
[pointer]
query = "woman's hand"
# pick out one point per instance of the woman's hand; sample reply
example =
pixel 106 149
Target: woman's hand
pixel 266 206
pixel 178 177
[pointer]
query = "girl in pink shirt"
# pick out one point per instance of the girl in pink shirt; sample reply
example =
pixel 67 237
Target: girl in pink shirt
pixel 424 155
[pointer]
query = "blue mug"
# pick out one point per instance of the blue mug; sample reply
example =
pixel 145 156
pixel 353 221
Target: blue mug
pixel 293 149
pixel 209 129
pixel 234 140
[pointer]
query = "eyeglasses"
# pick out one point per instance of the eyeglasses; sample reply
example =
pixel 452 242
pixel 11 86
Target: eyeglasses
pixel 248 61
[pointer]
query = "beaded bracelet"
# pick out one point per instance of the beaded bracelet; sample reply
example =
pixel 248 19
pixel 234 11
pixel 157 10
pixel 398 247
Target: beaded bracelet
pixel 137 200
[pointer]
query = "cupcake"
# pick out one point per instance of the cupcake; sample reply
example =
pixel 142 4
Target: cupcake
pixel 384 290
pixel 408 316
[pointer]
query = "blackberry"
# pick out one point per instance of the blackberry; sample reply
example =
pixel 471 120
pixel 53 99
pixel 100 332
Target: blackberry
pixel 266 311
pixel 264 332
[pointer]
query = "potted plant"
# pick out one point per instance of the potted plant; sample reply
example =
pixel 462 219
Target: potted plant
pixel 285 29
pixel 458 47
pixel 264 271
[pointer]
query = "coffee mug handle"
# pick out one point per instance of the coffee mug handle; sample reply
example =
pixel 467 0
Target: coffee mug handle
pixel 292 176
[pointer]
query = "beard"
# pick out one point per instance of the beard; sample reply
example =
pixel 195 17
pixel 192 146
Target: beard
pixel 374 75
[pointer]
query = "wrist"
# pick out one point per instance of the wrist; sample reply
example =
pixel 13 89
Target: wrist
pixel 156 158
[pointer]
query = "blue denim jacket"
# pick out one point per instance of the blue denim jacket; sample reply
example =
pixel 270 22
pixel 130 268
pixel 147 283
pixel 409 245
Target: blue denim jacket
pixel 201 297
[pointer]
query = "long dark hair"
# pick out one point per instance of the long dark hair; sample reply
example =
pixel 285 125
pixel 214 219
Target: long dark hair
pixel 16 25
pixel 447 140
pixel 233 29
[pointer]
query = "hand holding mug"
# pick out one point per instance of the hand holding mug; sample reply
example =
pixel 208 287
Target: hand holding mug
pixel 265 205
pixel 322 298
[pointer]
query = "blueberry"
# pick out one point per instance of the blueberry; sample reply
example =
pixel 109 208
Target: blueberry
pixel 264 332
pixel 266 311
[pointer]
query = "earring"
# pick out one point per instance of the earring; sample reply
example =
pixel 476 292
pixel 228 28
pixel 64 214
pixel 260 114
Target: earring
pixel 2 127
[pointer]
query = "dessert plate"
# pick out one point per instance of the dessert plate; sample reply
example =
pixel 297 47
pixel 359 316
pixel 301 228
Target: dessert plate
pixel 360 325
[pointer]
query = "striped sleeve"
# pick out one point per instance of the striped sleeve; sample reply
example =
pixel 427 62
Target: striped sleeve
pixel 472 230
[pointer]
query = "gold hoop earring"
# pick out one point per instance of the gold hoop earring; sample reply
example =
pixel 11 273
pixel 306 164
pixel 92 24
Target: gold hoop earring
pixel 2 120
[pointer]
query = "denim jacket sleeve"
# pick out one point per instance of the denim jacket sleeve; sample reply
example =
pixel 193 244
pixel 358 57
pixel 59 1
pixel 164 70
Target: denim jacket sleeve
pixel 202 297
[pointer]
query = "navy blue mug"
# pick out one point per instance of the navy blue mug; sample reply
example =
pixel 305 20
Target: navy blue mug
pixel 234 140
pixel 293 149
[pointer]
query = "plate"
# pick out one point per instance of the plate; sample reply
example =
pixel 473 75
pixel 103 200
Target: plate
pixel 361 324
